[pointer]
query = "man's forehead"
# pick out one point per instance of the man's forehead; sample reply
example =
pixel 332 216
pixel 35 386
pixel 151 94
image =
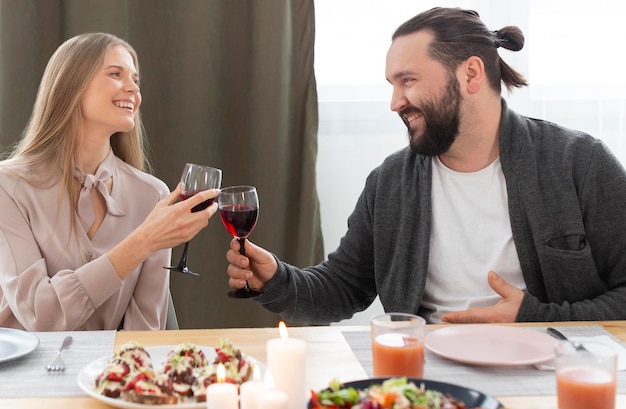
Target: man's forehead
pixel 405 50
pixel 417 42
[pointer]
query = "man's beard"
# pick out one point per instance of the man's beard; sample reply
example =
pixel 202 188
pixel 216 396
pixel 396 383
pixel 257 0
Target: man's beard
pixel 441 122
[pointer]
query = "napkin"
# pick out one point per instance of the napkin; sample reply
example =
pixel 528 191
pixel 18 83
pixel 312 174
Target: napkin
pixel 590 343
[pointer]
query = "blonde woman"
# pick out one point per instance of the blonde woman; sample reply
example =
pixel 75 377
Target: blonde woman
pixel 85 230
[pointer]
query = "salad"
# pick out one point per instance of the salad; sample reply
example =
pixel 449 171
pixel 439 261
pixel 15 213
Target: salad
pixel 393 393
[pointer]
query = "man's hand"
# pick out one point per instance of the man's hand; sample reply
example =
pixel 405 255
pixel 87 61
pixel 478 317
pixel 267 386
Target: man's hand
pixel 257 267
pixel 504 311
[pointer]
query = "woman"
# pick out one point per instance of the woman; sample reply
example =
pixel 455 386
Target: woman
pixel 85 232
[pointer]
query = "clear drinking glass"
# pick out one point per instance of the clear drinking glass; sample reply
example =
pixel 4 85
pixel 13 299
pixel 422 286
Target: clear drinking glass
pixel 585 378
pixel 398 345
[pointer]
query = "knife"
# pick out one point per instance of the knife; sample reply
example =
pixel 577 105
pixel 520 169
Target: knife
pixel 559 335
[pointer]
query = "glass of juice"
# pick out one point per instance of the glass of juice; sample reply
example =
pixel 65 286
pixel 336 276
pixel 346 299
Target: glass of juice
pixel 398 345
pixel 585 379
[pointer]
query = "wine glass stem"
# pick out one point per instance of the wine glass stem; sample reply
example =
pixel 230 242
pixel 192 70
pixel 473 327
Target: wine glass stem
pixel 183 258
pixel 242 251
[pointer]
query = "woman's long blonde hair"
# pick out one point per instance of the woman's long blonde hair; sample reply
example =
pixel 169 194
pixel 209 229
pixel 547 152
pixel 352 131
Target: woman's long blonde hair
pixel 53 133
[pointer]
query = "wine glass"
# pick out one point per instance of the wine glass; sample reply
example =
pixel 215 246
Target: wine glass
pixel 195 179
pixel 239 211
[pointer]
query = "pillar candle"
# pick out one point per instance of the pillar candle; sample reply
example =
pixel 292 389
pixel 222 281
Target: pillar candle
pixel 249 391
pixel 271 398
pixel 222 395
pixel 286 360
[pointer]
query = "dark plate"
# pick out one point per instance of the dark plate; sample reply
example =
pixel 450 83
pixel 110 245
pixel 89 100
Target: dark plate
pixel 471 397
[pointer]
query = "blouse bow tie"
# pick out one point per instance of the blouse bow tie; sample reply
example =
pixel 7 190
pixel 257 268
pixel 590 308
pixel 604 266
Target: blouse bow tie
pixel 85 205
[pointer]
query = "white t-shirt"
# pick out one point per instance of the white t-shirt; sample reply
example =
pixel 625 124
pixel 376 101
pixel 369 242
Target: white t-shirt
pixel 470 235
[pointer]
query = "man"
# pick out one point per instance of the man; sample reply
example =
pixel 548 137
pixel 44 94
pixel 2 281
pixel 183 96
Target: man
pixel 488 216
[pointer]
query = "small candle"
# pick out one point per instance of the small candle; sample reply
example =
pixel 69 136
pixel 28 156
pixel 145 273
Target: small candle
pixel 286 360
pixel 222 395
pixel 272 398
pixel 249 391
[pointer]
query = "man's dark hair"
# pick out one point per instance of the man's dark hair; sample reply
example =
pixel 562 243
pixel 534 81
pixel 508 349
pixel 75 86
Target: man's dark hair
pixel 460 34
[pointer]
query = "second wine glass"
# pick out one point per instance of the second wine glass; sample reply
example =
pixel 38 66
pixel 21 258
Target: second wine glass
pixel 239 211
pixel 195 179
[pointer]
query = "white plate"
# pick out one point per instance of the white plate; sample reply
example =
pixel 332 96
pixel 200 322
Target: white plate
pixel 15 343
pixel 491 345
pixel 87 377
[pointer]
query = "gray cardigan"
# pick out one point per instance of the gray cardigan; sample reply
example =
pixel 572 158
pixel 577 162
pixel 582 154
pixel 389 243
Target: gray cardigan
pixel 567 204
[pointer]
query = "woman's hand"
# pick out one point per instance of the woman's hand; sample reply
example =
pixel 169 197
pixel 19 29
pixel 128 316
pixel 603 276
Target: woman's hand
pixel 172 222
pixel 169 224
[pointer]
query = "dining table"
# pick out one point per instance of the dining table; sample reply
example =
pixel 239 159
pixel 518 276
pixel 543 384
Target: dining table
pixel 330 355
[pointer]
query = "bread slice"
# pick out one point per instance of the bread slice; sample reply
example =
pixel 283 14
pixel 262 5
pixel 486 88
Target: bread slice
pixel 150 388
pixel 149 398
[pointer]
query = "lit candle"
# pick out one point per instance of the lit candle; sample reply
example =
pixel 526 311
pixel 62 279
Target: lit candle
pixel 222 395
pixel 249 391
pixel 271 398
pixel 286 360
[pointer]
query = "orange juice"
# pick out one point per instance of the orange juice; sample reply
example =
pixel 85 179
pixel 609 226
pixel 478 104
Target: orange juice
pixel 397 354
pixel 585 388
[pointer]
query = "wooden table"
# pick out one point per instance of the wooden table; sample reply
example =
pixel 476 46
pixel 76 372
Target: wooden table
pixel 332 357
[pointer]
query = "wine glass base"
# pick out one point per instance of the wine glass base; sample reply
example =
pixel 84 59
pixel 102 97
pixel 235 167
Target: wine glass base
pixel 183 270
pixel 244 293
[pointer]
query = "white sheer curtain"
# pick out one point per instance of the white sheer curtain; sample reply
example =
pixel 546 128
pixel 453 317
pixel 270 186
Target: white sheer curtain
pixel 573 59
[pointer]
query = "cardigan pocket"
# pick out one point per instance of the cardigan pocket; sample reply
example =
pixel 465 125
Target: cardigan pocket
pixel 569 270
pixel 571 242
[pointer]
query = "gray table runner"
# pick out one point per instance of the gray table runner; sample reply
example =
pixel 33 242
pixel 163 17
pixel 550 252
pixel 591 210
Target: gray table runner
pixel 495 381
pixel 27 376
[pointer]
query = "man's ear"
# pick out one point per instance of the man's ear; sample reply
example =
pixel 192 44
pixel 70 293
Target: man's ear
pixel 474 74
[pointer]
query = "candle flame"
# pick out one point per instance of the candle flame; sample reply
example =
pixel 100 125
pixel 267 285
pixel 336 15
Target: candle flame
pixel 282 329
pixel 269 380
pixel 221 373
pixel 256 373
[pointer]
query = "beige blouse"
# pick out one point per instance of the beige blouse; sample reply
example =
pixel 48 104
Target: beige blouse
pixel 51 280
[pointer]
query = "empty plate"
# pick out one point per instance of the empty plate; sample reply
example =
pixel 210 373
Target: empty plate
pixel 491 345
pixel 15 343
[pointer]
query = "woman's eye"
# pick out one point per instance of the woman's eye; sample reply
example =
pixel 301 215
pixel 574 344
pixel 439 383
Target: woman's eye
pixel 115 74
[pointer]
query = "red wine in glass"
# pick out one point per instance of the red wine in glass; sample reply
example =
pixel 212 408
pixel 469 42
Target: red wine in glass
pixel 239 211
pixel 195 179
pixel 198 207
pixel 239 219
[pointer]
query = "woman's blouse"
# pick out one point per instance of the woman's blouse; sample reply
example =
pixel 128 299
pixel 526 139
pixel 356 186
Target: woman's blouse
pixel 54 280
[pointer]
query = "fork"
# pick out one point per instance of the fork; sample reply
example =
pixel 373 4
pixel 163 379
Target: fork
pixel 57 364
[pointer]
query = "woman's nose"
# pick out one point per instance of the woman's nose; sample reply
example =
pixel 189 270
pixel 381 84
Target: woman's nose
pixel 131 86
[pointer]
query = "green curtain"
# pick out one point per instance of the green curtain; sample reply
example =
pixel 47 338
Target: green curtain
pixel 227 83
